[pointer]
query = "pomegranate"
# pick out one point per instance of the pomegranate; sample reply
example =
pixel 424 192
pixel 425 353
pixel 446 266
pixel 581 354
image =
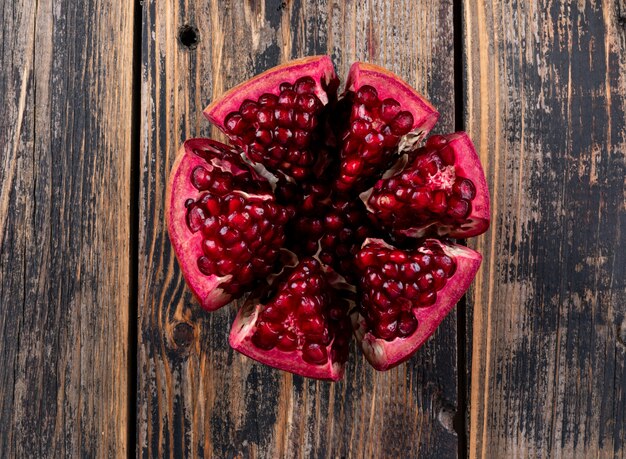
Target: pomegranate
pixel 299 324
pixel 303 206
pixel 405 294
pixel 441 192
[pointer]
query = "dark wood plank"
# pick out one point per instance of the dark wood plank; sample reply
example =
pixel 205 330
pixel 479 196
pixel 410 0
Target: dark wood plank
pixel 546 104
pixel 195 396
pixel 65 87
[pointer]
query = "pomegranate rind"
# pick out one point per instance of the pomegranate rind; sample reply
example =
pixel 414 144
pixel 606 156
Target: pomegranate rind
pixel 240 336
pixel 384 355
pixel 187 245
pixel 320 68
pixel 389 85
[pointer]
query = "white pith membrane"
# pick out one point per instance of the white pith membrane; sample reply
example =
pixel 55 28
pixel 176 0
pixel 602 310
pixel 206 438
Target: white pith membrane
pixel 380 353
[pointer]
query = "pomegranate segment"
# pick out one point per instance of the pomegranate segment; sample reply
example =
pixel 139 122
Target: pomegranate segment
pixel 405 294
pixel 300 324
pixel 224 225
pixel 383 112
pixel 442 192
pixel 276 117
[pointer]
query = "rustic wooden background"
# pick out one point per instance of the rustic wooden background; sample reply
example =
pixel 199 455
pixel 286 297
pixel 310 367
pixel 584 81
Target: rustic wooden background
pixel 103 351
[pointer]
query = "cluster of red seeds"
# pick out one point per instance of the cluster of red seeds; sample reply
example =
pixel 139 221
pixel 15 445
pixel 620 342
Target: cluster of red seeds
pixel 369 145
pixel 305 314
pixel 278 131
pixel 427 191
pixel 242 236
pixel 325 224
pixel 394 282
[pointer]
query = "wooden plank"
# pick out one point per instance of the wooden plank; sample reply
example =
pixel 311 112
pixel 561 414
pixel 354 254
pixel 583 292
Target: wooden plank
pixel 546 104
pixel 65 146
pixel 195 396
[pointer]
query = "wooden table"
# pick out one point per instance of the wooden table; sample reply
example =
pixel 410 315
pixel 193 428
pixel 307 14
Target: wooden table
pixel 103 350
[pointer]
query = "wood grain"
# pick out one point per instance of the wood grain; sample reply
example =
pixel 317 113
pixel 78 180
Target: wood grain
pixel 65 88
pixel 546 105
pixel 195 396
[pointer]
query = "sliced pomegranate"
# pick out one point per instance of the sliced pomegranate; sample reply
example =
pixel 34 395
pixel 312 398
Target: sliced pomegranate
pixel 289 185
pixel 300 324
pixel 441 192
pixel 381 112
pixel 405 294
pixel 275 116
pixel 225 226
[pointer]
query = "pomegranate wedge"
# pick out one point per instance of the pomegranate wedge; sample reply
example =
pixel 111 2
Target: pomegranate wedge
pixel 224 225
pixel 442 192
pixel 381 115
pixel 404 295
pixel 275 116
pixel 301 325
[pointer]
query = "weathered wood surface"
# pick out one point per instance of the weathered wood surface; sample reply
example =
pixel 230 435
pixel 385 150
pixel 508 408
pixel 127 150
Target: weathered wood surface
pixel 195 395
pixel 546 104
pixel 65 116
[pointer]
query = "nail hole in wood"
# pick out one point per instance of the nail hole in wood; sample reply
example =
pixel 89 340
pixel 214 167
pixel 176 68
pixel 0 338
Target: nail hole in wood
pixel 183 335
pixel 189 36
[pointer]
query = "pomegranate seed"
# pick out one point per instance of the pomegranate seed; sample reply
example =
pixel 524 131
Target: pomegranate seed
pixel 234 124
pixel 367 96
pixel 309 103
pixel 206 266
pixel 427 299
pixel 464 189
pixel 458 208
pixel 402 123
pixel 200 178
pixel 268 100
pixel 264 137
pixel 447 155
pixel 264 337
pixel 303 120
pixel 211 248
pixel 265 117
pixel 407 324
pixel 248 110
pixel 389 109
pixel 287 98
pixel 315 354
pixel 195 218
pixel 360 128
pixel 304 85
pixel 284 116
pixel 287 342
